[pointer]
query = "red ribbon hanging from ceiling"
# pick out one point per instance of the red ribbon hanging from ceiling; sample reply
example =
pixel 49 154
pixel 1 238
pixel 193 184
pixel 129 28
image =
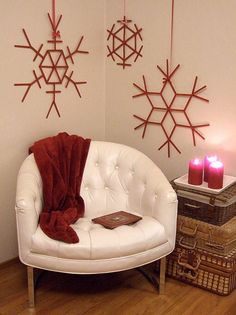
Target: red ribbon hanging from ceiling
pixel 55 33
pixel 172 31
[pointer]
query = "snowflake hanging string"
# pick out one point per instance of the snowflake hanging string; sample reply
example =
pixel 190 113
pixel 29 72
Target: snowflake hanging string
pixel 54 68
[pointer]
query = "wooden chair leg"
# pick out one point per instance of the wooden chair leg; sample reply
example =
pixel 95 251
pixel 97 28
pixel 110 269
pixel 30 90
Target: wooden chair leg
pixel 31 295
pixel 162 275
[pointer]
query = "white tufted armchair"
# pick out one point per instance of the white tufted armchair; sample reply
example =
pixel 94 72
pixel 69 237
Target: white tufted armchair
pixel 116 177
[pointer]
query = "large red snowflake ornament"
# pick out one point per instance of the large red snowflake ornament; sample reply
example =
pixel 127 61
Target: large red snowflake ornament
pixel 124 42
pixel 166 106
pixel 53 66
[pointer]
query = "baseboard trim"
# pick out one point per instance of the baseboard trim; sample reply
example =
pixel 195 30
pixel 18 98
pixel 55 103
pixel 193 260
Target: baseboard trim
pixel 9 262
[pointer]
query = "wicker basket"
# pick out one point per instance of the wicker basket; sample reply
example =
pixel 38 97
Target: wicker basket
pixel 193 234
pixel 210 208
pixel 204 270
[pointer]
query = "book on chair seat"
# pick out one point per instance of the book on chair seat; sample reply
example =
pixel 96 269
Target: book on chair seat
pixel 115 219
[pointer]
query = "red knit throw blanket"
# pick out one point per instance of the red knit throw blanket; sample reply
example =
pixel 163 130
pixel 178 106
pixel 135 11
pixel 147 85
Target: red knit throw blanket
pixel 61 161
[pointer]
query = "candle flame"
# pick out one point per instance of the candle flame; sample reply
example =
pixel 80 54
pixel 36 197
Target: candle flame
pixel 216 164
pixel 212 158
pixel 196 161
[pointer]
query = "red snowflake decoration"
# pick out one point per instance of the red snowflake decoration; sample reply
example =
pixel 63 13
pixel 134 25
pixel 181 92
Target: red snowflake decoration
pixel 164 108
pixel 124 42
pixel 53 66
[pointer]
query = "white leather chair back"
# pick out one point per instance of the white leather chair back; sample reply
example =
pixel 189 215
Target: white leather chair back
pixel 118 178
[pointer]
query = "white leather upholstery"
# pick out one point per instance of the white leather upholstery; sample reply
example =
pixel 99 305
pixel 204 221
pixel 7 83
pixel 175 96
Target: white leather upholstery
pixel 116 177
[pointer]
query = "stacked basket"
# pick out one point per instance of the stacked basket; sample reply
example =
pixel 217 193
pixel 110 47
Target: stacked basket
pixel 205 253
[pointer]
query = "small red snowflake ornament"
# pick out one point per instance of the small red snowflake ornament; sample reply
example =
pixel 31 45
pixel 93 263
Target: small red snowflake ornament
pixel 124 42
pixel 165 106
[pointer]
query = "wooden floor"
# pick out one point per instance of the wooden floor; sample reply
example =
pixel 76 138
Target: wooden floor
pixel 124 293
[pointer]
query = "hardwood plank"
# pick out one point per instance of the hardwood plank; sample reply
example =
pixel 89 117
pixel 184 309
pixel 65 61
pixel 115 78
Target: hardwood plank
pixel 9 262
pixel 124 293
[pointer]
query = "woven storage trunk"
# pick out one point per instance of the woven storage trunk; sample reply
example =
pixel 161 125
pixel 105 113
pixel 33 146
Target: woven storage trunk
pixel 211 208
pixel 199 268
pixel 193 234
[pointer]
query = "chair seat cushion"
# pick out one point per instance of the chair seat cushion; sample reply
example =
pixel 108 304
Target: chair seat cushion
pixel 97 242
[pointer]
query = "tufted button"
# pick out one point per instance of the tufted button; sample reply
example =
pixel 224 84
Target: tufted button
pixel 86 188
pixel 96 164
pixel 117 167
pixel 106 187
pixel 155 196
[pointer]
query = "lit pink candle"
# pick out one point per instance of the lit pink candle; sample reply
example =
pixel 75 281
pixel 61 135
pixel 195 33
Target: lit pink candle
pixel 207 161
pixel 216 175
pixel 195 172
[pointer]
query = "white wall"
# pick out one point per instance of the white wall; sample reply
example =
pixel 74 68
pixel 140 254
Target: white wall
pixel 23 123
pixel 204 45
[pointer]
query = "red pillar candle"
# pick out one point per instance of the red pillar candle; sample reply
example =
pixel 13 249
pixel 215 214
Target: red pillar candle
pixel 207 161
pixel 195 172
pixel 215 175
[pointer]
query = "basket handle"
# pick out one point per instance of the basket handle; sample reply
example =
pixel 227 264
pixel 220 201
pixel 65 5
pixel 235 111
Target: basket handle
pixel 190 206
pixel 187 265
pixel 187 274
pixel 184 245
pixel 189 233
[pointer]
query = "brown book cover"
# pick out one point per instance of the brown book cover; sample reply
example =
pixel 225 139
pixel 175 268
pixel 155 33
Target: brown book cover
pixel 115 219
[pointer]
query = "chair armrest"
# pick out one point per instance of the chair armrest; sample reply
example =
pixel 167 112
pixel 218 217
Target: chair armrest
pixel 28 204
pixel 160 201
pixel 165 211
